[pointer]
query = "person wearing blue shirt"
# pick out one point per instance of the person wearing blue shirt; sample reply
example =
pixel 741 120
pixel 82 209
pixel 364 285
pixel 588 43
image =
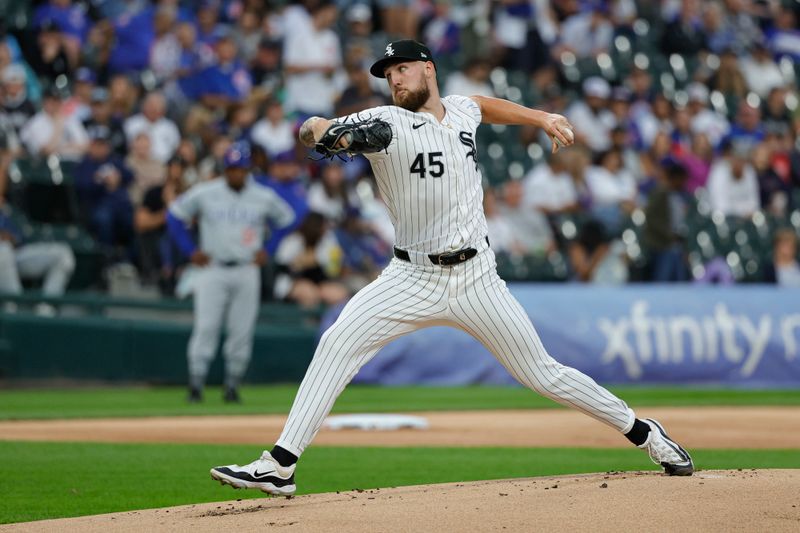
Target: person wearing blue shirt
pixel 285 178
pixel 71 19
pixel 133 34
pixel 227 81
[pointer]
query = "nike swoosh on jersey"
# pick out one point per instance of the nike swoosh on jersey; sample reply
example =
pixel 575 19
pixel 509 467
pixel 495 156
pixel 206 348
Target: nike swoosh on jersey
pixel 416 126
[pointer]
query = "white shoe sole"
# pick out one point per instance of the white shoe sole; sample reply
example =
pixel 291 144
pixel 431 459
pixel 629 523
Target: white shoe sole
pixel 268 488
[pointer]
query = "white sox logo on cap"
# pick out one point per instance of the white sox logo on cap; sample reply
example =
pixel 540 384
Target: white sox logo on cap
pixel 389 50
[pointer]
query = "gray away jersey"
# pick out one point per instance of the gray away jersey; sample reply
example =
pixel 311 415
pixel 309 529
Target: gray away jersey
pixel 232 224
pixel 429 176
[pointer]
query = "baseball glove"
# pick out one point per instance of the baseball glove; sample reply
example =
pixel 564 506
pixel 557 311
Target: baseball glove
pixel 358 137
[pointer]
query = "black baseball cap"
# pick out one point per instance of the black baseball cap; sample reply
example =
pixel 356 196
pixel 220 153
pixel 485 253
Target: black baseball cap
pixel 399 51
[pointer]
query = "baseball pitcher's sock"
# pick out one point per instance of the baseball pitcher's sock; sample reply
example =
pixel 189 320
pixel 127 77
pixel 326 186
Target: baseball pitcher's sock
pixel 637 434
pixel 284 457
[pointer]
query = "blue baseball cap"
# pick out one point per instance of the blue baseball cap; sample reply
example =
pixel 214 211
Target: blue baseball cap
pixel 237 156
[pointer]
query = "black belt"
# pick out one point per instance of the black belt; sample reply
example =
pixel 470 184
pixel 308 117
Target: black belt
pixel 231 264
pixel 445 259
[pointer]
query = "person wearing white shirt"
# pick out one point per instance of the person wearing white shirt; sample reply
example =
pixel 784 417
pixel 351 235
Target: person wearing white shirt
pixel 549 187
pixel 613 189
pixel 163 132
pixel 760 72
pixel 273 133
pixel 732 183
pixel 474 79
pixel 50 131
pixel 587 34
pixel 590 117
pixel 533 234
pixel 313 65
pixel 704 120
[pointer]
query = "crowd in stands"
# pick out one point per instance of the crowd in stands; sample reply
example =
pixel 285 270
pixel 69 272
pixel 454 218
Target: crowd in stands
pixel 686 166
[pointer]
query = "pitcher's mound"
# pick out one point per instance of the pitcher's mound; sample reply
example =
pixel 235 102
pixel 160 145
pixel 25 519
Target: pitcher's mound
pixel 712 500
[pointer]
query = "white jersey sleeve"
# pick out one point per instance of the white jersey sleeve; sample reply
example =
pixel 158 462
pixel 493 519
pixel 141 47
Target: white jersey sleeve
pixel 187 205
pixel 466 105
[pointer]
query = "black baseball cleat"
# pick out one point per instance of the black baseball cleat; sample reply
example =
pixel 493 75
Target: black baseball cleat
pixel 195 395
pixel 666 452
pixel 265 474
pixel 232 395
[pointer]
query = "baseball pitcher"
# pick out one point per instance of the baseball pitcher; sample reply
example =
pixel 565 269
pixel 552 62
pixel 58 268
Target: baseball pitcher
pixel 423 153
pixel 233 212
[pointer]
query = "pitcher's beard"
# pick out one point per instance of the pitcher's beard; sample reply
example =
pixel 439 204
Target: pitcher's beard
pixel 413 100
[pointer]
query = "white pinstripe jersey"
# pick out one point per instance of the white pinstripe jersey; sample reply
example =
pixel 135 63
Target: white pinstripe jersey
pixel 429 176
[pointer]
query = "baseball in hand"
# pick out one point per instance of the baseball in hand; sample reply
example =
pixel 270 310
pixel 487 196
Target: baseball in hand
pixel 568 133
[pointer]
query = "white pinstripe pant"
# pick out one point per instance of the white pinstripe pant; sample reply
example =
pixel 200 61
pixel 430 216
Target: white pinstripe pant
pixel 469 296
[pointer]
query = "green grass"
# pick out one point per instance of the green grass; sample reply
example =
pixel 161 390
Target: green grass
pixel 166 401
pixel 41 480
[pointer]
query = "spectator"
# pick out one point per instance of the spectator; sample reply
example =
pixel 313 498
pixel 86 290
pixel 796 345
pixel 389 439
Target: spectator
pixel 101 182
pixel 359 94
pixel 729 79
pixel 162 131
pixel 472 80
pixel 441 33
pixel 549 187
pixel 502 234
pixel 329 196
pixel 134 33
pixel 274 133
pixel 783 37
pixel 212 165
pixel 239 121
pixel 312 62
pixel 399 18
pixel 51 131
pixel 747 127
pixel 209 29
pixel 310 260
pixel 123 96
pixel 148 172
pixel 759 70
pixel 52 57
pixel 96 51
pixel 590 117
pixel 732 182
pixel 226 81
pixel 78 105
pixel 10 148
pixel 287 180
pixel 698 162
pixel 100 118
pixel 597 258
pixel 705 121
pixel 784 269
pixel 685 35
pixel 776 115
pixel 187 152
pixel 666 230
pixel 71 19
pixel 32 88
pixel 613 190
pixel 364 253
pixel 740 18
pixel 53 262
pixel 166 51
pixel 775 191
pixel 265 68
pixel 14 101
pixel 720 37
pixel 158 256
pixel 586 34
pixel 361 39
pixel 531 230
pixel 248 35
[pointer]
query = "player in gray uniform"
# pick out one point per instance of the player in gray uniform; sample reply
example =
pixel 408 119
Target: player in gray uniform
pixel 443 272
pixel 232 212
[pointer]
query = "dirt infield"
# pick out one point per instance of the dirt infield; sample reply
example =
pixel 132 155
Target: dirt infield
pixel 694 427
pixel 764 500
